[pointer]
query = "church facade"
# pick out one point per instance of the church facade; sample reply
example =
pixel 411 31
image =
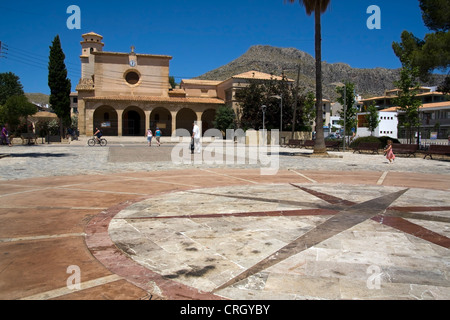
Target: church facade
pixel 124 94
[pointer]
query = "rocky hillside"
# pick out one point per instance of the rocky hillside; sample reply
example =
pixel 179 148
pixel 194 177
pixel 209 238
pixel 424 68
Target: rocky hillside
pixel 369 82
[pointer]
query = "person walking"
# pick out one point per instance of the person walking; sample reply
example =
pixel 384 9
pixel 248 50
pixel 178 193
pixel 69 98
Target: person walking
pixel 389 152
pixel 158 136
pixel 196 137
pixel 5 135
pixel 149 137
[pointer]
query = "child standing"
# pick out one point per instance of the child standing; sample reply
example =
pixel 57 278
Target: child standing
pixel 389 152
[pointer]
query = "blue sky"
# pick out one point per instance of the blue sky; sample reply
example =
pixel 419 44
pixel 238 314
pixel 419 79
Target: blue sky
pixel 200 35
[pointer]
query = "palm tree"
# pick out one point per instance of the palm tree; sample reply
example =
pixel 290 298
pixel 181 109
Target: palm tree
pixel 318 7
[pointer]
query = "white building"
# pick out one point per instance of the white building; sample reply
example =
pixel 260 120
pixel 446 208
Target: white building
pixel 388 126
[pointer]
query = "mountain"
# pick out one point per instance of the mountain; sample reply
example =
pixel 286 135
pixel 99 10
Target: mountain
pixel 268 59
pixel 38 98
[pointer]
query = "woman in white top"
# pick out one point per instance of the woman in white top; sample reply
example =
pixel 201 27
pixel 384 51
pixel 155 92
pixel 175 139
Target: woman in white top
pixel 149 137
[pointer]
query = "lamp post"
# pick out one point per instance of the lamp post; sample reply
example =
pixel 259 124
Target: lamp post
pixel 340 84
pixel 345 115
pixel 281 112
pixel 264 116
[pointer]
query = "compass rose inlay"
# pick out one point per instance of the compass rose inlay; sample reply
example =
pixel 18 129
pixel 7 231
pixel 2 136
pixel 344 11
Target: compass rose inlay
pixel 248 242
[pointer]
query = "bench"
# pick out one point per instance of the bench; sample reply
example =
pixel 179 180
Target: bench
pixel 409 149
pixel 335 145
pixel 437 150
pixel 30 137
pixel 309 143
pixel 367 146
pixel 294 143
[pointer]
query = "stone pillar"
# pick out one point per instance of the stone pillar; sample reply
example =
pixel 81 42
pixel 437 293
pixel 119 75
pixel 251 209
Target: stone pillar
pixel 174 121
pixel 147 120
pixel 199 120
pixel 82 117
pixel 119 122
pixel 89 125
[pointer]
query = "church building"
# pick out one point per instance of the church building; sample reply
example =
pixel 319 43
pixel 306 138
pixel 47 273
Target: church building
pixel 124 94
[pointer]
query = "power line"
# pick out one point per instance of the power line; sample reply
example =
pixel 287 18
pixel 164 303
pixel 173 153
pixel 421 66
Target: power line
pixel 108 77
pixel 75 68
pixel 3 49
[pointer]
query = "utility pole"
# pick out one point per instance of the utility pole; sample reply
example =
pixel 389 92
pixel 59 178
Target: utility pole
pixel 294 120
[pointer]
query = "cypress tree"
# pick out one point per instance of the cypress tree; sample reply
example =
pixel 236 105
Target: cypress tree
pixel 60 86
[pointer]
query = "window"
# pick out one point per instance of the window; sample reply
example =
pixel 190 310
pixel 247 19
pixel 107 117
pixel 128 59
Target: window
pixel 132 77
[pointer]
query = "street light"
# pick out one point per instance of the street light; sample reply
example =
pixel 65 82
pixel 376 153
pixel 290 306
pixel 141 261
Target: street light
pixel 340 84
pixel 264 116
pixel 281 112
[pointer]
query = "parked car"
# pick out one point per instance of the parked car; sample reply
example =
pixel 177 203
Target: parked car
pixel 333 137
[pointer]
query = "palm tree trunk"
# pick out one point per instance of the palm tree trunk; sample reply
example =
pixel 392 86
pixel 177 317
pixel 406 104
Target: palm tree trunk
pixel 320 138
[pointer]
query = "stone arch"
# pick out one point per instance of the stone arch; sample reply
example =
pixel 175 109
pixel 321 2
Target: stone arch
pixel 133 122
pixel 106 119
pixel 185 118
pixel 161 118
pixel 208 118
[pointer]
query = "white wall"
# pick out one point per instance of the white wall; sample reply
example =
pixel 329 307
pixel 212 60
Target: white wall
pixel 388 126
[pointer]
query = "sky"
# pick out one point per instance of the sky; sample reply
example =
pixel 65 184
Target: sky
pixel 200 35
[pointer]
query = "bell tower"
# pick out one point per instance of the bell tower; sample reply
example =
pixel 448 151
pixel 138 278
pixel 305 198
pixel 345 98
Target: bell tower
pixel 92 42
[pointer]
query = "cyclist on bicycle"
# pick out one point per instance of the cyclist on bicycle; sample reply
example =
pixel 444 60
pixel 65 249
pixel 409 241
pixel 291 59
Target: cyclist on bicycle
pixel 98 134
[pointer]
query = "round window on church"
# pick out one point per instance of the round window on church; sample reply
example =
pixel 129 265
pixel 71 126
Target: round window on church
pixel 132 77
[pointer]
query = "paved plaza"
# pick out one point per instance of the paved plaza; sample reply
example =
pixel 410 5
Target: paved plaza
pixel 127 222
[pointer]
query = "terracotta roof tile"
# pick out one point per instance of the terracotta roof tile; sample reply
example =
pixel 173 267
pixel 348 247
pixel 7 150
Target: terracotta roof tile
pixel 257 75
pixel 157 99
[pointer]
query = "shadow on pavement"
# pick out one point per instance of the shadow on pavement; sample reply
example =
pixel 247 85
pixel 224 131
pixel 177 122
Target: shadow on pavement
pixel 40 155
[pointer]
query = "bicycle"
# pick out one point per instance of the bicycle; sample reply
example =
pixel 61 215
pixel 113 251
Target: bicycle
pixel 94 140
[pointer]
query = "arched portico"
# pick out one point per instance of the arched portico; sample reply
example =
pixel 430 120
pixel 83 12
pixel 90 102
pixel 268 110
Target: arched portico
pixel 185 118
pixel 133 122
pixel 161 118
pixel 106 119
pixel 208 118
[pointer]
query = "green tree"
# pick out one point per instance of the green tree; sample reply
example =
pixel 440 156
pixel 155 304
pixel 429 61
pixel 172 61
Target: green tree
pixel 225 119
pixel 9 86
pixel 268 93
pixel 373 119
pixel 436 14
pixel 350 109
pixel 407 99
pixel 16 108
pixel 172 82
pixel 318 7
pixel 59 84
pixel 251 98
pixel 307 111
pixel 433 51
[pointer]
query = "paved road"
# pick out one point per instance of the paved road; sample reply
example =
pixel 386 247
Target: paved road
pixel 136 222
pixel 59 160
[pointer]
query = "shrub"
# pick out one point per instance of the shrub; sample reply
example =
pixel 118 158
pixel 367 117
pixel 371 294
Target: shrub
pixel 385 139
pixel 382 140
pixel 357 141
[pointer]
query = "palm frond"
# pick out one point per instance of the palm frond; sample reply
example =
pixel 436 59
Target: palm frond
pixel 310 5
